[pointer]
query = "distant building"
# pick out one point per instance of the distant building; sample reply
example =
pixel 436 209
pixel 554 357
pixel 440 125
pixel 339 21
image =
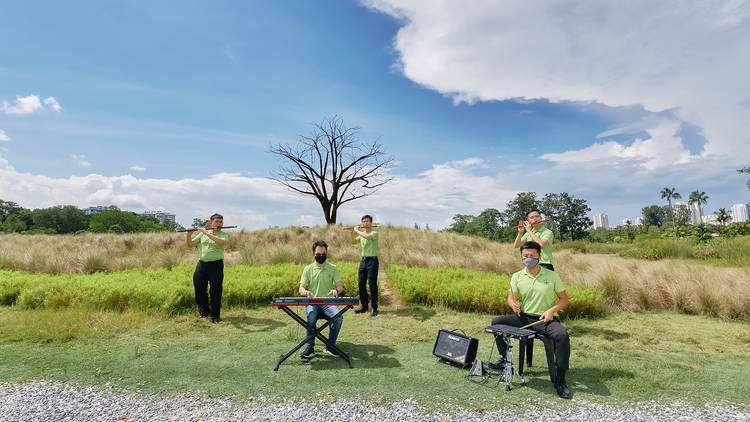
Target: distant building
pixel 601 220
pixel 161 216
pixel 739 213
pixel 626 221
pixel 710 219
pixel 94 210
pixel 638 221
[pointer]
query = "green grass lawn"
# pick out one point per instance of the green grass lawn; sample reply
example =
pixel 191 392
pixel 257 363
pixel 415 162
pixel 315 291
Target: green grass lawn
pixel 623 357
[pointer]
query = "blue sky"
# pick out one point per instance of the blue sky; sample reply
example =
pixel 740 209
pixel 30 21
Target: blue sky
pixel 173 105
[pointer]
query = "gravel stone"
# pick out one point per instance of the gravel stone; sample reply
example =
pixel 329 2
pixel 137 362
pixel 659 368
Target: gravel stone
pixel 46 401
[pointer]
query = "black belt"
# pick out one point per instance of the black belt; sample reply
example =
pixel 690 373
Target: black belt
pixel 369 257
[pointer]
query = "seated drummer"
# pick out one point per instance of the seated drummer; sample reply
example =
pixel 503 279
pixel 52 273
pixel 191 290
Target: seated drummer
pixel 320 279
pixel 543 294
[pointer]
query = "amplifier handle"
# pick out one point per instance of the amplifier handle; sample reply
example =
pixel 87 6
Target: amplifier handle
pixel 458 329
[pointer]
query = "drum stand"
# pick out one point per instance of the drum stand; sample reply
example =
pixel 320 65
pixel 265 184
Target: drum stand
pixel 509 369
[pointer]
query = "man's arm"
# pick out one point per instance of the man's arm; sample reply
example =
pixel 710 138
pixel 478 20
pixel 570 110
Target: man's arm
pixel 337 291
pixel 513 302
pixel 219 241
pixel 517 242
pixel 303 290
pixel 189 240
pixel 534 237
pixel 562 301
pixel 363 234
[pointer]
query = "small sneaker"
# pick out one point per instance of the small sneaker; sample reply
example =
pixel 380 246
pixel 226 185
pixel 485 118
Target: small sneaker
pixel 308 354
pixel 360 310
pixel 329 352
pixel 216 320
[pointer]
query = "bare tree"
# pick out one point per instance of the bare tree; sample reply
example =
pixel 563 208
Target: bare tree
pixel 332 165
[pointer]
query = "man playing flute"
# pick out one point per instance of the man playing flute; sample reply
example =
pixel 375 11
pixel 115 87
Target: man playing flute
pixel 368 266
pixel 533 231
pixel 210 268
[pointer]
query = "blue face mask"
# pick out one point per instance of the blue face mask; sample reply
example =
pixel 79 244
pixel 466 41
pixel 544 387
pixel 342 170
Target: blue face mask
pixel 530 262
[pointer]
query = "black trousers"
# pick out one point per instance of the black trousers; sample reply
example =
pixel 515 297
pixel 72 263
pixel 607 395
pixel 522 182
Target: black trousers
pixel 206 272
pixel 552 329
pixel 548 266
pixel 368 274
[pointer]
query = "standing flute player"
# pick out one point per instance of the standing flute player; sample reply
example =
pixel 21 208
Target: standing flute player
pixel 368 266
pixel 210 267
pixel 532 231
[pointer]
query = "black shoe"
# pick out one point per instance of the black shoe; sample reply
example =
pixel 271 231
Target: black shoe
pixel 202 315
pixel 360 310
pixel 216 320
pixel 373 312
pixel 562 389
pixel 308 354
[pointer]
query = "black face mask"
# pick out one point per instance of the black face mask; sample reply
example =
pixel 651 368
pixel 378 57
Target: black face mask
pixel 320 258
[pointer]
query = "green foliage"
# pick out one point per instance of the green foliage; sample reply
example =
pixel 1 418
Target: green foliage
pixel 151 290
pixel 745 170
pixel 476 291
pixel 115 221
pixel 61 219
pixel 568 214
pixel 487 224
pixel 653 215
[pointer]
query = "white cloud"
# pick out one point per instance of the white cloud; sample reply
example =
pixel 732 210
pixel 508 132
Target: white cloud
pixel 664 148
pixel 80 159
pixel 52 103
pixel 136 167
pixel 432 197
pixel 30 104
pixel 690 57
pixel 4 136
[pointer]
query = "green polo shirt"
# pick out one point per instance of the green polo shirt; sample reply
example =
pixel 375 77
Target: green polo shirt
pixel 369 246
pixel 538 294
pixel 544 234
pixel 319 280
pixel 210 250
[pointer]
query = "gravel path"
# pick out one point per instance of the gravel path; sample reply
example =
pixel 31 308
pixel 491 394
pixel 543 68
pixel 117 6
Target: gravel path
pixel 39 401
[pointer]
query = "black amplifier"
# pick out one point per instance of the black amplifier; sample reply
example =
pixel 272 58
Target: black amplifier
pixel 455 347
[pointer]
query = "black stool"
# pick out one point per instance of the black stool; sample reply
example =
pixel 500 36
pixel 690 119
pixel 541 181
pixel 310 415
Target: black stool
pixel 549 348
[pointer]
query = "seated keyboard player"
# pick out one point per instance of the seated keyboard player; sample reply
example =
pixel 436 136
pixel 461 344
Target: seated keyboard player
pixel 320 279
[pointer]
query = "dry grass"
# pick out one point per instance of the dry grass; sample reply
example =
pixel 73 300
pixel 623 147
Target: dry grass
pixel 90 252
pixel 685 286
pixel 630 284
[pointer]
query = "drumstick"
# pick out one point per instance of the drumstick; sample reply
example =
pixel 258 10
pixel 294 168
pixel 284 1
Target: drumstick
pixel 533 324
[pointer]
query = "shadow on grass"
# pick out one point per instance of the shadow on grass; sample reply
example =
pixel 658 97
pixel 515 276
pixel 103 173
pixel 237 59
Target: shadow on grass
pixel 249 325
pixel 363 356
pixel 418 312
pixel 604 333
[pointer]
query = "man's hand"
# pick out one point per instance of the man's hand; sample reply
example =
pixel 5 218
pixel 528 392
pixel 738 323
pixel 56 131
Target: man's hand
pixel 307 293
pixel 203 230
pixel 547 316
pixel 333 293
pixel 527 226
pixel 516 308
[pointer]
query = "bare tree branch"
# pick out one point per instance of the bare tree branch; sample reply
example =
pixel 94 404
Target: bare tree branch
pixel 332 165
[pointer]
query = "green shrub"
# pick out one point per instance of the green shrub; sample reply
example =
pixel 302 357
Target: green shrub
pixel 468 290
pixel 153 290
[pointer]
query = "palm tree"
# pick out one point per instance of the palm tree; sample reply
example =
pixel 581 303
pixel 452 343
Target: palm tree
pixel 722 216
pixel 697 197
pixel 669 194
